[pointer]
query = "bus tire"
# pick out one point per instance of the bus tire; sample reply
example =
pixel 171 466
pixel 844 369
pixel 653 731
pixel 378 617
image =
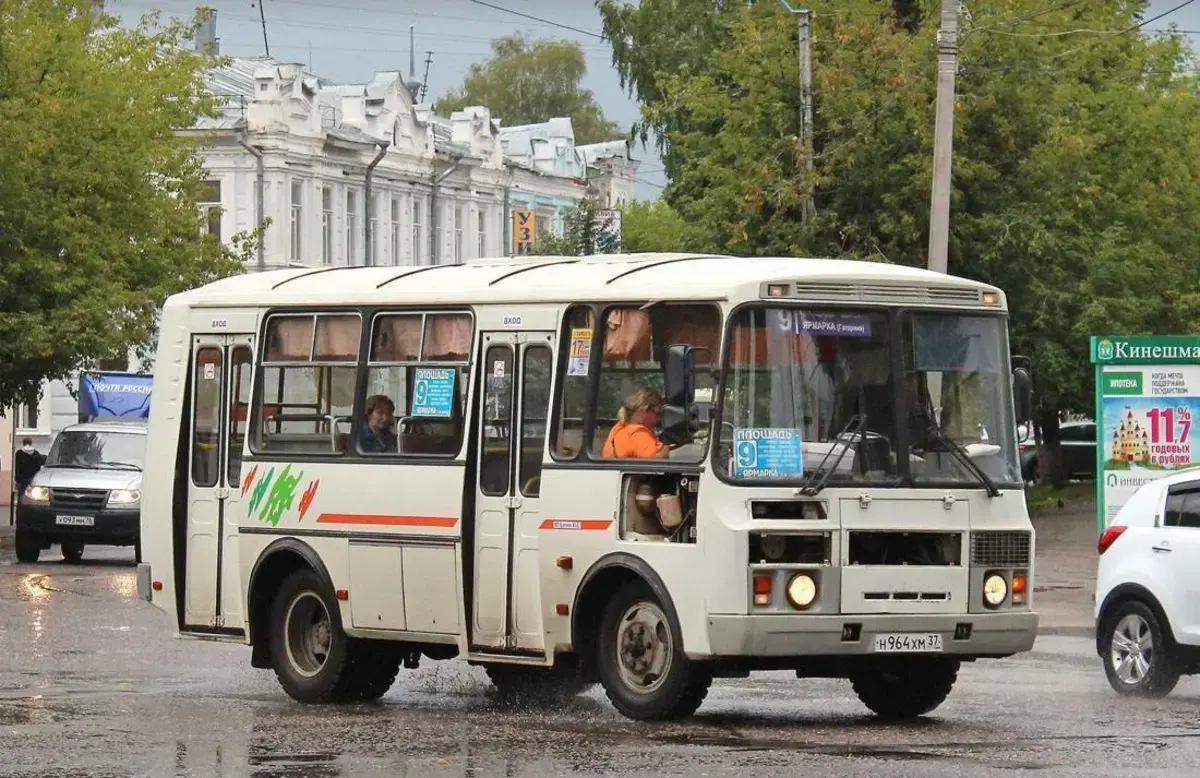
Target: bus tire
pixel 642 666
pixel 536 684
pixel 310 653
pixel 904 687
pixel 373 667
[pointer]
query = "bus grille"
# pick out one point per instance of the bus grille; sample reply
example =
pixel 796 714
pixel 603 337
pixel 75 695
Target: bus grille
pixel 78 499
pixel 1001 549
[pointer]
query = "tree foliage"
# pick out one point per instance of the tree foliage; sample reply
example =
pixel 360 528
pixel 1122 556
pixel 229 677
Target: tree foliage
pixel 98 194
pixel 585 231
pixel 528 81
pixel 651 226
pixel 1076 152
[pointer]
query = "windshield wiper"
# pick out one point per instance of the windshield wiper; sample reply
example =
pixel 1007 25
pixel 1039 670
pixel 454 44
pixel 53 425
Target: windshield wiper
pixel 857 422
pixel 119 465
pixel 961 454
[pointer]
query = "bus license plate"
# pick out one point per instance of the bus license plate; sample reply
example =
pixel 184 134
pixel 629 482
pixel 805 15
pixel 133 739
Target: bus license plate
pixel 906 643
pixel 76 521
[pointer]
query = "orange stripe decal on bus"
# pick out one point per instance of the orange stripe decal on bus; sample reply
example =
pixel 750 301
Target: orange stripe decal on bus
pixel 386 520
pixel 576 524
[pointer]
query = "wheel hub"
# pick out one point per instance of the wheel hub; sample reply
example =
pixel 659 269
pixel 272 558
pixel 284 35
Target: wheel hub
pixel 645 647
pixel 1132 649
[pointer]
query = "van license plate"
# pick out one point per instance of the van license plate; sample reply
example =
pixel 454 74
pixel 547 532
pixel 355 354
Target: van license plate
pixel 907 643
pixel 76 521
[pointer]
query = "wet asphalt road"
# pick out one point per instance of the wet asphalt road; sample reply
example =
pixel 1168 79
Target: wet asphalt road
pixel 92 684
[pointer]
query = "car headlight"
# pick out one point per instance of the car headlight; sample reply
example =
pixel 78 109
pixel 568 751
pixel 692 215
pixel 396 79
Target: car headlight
pixel 124 496
pixel 37 494
pixel 801 590
pixel 995 589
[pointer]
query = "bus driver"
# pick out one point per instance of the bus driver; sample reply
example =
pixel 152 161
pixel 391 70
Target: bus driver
pixel 633 434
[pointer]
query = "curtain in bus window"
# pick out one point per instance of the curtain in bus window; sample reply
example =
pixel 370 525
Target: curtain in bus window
pixel 448 337
pixel 693 326
pixel 627 335
pixel 289 338
pixel 337 338
pixel 397 339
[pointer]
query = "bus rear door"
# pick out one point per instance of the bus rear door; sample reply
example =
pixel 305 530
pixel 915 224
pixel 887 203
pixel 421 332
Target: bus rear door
pixel 220 395
pixel 506 600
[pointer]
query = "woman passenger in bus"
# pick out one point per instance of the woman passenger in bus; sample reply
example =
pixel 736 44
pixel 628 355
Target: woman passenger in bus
pixel 633 434
pixel 377 436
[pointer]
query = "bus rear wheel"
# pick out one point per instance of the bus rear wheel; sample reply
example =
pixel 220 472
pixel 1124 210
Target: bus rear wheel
pixel 904 687
pixel 536 684
pixel 309 651
pixel 643 668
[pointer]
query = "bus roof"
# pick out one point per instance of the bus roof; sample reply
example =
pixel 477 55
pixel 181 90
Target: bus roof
pixel 551 279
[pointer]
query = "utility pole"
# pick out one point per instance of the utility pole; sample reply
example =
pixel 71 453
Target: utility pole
pixel 804 46
pixel 262 15
pixel 943 139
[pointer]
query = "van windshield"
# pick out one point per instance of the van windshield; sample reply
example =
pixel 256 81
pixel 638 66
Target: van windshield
pixel 95 450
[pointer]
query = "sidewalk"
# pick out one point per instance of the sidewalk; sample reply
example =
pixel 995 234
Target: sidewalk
pixel 1064 577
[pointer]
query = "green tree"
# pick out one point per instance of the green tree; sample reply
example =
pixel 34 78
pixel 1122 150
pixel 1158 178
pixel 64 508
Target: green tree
pixel 1075 154
pixel 98 194
pixel 529 81
pixel 652 226
pixel 584 232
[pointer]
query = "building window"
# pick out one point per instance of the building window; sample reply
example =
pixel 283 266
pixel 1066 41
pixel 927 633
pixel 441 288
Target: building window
pixel 297 219
pixel 481 235
pixel 396 227
pixel 351 226
pixel 458 234
pixel 326 225
pixel 373 216
pixel 28 413
pixel 417 233
pixel 210 208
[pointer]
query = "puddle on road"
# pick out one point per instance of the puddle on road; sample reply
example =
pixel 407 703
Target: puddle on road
pixel 35 711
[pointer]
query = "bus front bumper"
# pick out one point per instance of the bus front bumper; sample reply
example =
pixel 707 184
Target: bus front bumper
pixel 973 634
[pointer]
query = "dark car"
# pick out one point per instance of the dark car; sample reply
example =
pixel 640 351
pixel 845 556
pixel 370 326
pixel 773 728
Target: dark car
pixel 1078 450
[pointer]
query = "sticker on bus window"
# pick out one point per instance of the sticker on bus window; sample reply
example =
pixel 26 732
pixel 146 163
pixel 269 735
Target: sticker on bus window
pixel 433 392
pixel 581 352
pixel 768 453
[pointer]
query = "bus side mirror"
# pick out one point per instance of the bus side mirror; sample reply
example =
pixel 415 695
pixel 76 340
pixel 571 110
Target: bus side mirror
pixel 1022 394
pixel 679 385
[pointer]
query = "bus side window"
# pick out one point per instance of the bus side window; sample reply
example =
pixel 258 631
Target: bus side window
pixel 305 400
pixel 573 395
pixel 419 361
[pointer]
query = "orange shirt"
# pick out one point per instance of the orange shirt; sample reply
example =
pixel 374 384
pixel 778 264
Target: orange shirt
pixel 629 440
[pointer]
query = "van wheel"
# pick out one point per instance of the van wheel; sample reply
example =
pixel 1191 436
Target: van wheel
pixel 904 688
pixel 1137 657
pixel 536 684
pixel 309 651
pixel 28 547
pixel 643 668
pixel 72 551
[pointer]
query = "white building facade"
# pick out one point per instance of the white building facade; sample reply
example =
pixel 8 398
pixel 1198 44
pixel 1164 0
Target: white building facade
pixel 357 174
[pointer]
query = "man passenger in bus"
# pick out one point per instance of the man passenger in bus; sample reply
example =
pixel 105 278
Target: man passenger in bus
pixel 633 434
pixel 377 436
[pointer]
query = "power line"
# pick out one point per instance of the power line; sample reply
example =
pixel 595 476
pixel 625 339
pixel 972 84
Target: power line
pixel 537 19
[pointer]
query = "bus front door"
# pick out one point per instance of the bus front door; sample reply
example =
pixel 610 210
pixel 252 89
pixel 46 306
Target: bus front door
pixel 220 395
pixel 506 593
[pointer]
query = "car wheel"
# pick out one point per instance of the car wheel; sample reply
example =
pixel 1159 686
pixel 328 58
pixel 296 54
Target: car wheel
pixel 72 551
pixel 1137 654
pixel 28 547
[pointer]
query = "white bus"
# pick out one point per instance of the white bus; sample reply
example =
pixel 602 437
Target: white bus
pixel 817 471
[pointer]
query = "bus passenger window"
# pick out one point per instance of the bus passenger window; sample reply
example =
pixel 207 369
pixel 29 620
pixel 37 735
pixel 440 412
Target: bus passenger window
pixel 535 406
pixel 634 346
pixel 417 370
pixel 573 397
pixel 305 400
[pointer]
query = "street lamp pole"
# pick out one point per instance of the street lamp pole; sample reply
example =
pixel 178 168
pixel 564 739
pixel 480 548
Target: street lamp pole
pixel 804 45
pixel 943 139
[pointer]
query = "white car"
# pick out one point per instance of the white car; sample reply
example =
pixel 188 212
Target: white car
pixel 1148 587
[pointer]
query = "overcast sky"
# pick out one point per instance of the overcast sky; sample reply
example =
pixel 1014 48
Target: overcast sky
pixel 346 41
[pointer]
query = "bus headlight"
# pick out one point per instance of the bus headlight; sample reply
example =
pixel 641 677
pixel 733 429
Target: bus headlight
pixel 801 590
pixel 995 589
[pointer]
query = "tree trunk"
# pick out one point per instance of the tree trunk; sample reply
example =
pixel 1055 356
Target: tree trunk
pixel 1050 456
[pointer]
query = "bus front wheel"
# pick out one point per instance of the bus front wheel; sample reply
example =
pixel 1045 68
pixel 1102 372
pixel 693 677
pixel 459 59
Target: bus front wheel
pixel 904 687
pixel 642 666
pixel 310 653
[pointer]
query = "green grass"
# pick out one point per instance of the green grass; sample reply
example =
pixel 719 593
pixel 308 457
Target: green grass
pixel 1040 498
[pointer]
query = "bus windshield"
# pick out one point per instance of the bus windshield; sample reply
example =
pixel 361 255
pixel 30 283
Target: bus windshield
pixel 813 390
